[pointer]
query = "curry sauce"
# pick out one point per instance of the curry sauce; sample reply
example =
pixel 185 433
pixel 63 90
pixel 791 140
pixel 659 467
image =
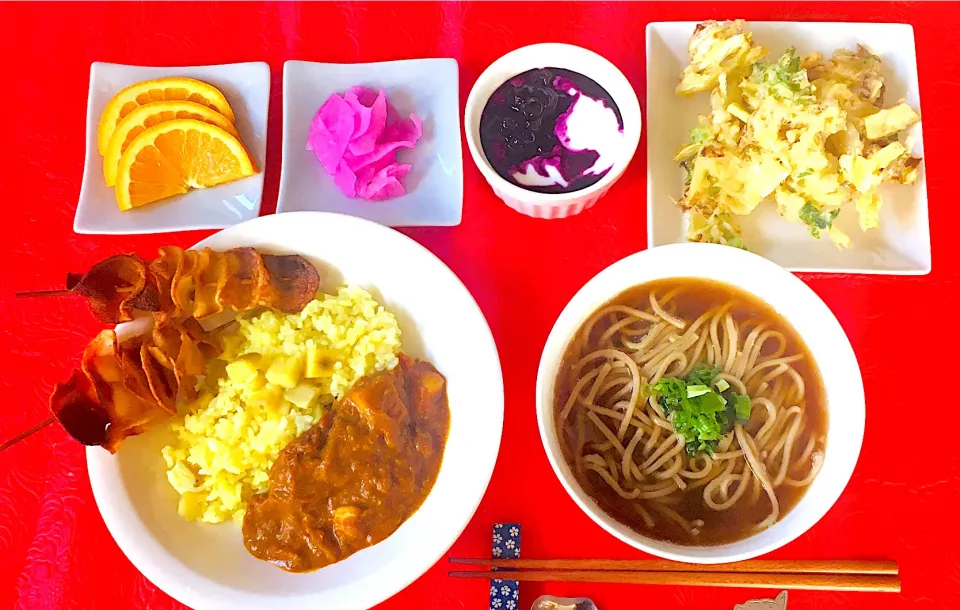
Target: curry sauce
pixel 355 477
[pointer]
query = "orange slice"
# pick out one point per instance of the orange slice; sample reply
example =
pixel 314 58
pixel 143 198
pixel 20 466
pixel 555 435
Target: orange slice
pixel 172 157
pixel 175 88
pixel 152 114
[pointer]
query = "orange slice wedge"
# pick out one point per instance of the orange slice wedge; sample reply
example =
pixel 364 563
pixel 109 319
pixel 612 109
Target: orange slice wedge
pixel 147 116
pixel 172 157
pixel 174 88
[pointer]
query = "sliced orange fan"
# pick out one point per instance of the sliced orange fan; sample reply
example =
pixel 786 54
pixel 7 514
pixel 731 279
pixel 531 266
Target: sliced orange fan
pixel 139 94
pixel 174 156
pixel 147 116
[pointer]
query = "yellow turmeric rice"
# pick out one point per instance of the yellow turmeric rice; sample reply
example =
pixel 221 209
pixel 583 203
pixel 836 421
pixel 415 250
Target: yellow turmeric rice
pixel 281 372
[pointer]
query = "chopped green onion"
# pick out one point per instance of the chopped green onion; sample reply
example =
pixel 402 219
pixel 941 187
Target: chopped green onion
pixel 699 135
pixel 816 219
pixel 742 407
pixel 702 374
pixel 702 411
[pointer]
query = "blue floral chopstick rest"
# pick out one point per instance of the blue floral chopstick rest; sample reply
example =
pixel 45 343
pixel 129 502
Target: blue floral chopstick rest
pixel 505 594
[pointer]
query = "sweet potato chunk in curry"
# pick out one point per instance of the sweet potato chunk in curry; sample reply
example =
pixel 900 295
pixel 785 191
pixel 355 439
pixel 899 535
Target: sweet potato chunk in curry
pixel 351 480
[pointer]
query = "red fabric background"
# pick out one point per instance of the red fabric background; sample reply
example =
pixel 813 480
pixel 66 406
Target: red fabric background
pixel 55 552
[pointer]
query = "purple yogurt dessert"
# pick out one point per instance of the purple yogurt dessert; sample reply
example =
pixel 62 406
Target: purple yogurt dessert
pixel 551 130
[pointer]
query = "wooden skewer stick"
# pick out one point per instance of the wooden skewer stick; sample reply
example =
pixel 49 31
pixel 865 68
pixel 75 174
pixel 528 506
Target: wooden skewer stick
pixel 41 293
pixel 26 433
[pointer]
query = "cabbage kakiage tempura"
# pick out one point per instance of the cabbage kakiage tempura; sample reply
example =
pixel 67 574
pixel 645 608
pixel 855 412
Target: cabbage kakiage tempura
pixel 808 133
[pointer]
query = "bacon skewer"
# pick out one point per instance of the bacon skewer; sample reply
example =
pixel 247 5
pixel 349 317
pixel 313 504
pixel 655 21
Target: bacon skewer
pixel 123 388
pixel 191 284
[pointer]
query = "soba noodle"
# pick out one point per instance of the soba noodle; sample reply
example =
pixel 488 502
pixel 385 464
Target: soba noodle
pixel 621 441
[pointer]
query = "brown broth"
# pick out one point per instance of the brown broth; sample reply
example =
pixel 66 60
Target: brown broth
pixel 737 522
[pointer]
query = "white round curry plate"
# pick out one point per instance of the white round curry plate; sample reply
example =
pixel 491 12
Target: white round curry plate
pixel 792 299
pixel 206 566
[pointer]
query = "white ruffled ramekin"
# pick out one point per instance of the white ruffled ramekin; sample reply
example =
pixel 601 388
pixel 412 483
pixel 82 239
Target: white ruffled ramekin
pixel 552 55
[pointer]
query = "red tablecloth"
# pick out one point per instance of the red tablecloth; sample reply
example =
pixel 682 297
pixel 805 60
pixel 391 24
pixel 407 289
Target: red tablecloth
pixel 55 552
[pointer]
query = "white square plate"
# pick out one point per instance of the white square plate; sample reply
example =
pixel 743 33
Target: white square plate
pixel 427 87
pixel 900 245
pixel 247 88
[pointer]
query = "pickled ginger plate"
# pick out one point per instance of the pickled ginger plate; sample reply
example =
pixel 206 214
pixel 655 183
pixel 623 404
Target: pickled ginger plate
pixel 205 565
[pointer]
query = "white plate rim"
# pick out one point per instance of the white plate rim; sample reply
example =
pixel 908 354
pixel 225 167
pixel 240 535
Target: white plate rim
pixel 102 470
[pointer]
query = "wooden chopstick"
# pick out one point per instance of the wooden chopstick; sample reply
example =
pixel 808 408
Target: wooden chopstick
pixel 782 566
pixel 822 582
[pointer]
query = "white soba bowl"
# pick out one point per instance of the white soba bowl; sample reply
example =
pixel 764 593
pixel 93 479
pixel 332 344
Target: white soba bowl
pixel 793 300
pixel 552 55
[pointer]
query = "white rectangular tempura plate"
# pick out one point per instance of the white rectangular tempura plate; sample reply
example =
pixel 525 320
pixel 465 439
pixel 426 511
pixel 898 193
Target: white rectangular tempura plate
pixel 899 246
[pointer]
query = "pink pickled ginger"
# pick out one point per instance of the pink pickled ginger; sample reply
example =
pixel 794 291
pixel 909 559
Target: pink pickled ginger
pixel 357 136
